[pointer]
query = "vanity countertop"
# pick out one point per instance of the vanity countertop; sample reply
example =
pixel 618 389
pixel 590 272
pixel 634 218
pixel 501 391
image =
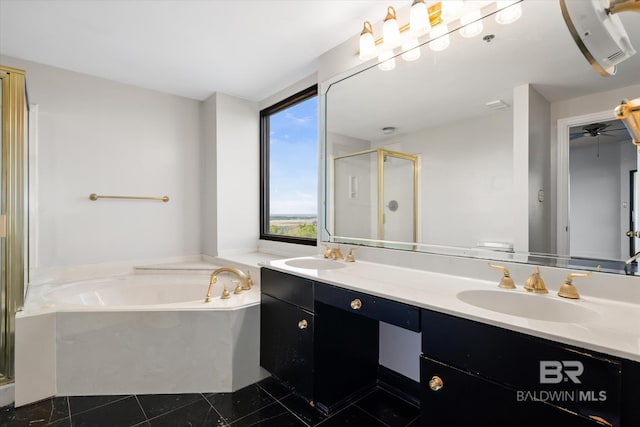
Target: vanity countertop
pixel 610 326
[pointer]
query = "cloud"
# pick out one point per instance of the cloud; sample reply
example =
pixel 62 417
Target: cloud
pixel 293 207
pixel 303 121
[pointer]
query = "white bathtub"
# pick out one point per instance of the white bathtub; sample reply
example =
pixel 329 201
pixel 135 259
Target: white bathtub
pixel 136 334
pixel 140 291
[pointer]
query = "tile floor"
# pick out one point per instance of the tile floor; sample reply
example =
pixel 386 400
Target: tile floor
pixel 266 403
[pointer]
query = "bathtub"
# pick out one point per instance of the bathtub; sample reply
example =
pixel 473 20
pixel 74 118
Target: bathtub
pixel 136 334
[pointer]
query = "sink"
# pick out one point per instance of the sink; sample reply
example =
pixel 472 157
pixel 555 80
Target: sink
pixel 315 264
pixel 532 306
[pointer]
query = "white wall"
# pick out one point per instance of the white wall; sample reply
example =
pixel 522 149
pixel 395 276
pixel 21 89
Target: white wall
pixel 98 136
pixel 238 174
pixel 208 186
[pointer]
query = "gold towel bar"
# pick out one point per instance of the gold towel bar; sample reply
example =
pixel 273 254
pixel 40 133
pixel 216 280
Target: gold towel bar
pixel 94 197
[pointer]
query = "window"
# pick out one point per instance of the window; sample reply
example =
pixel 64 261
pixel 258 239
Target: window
pixel 289 169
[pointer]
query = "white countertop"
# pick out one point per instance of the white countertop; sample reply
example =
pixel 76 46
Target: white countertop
pixel 614 329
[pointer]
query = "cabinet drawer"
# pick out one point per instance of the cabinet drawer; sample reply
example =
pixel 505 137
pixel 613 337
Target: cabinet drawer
pixel 395 313
pixel 523 362
pixel 466 399
pixel 286 287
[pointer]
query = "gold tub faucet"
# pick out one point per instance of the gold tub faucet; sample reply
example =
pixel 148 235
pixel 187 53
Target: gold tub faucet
pixel 245 279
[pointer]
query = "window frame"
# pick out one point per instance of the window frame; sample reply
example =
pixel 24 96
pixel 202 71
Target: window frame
pixel 265 114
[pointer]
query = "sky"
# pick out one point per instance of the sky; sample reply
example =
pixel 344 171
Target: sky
pixel 293 159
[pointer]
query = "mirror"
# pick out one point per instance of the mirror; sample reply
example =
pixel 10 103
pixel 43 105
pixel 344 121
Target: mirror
pixel 489 121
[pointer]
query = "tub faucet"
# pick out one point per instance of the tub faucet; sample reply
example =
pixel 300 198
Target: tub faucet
pixel 245 280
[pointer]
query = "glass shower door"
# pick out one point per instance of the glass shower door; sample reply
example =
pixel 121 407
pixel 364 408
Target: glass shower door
pixel 4 345
pixel 399 198
pixel 13 164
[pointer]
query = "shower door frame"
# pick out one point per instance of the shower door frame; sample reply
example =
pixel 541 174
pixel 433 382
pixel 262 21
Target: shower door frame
pixel 381 152
pixel 12 212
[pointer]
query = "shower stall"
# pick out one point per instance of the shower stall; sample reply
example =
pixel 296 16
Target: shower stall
pixel 13 161
pixel 375 196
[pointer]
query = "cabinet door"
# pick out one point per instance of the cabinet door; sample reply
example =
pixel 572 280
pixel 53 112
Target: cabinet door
pixel 465 399
pixel 286 343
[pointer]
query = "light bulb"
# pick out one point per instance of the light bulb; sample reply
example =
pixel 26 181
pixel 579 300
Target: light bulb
pixel 418 18
pixel 451 9
pixel 390 29
pixel 411 50
pixel 386 60
pixel 471 24
pixel 509 13
pixel 439 38
pixel 367 43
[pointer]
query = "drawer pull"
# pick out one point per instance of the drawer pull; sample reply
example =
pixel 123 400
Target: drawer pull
pixel 302 324
pixel 435 383
pixel 356 304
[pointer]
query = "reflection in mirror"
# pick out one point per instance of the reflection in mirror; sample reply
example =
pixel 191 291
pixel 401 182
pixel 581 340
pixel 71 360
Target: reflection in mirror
pixel 602 166
pixel 489 120
pixel 375 195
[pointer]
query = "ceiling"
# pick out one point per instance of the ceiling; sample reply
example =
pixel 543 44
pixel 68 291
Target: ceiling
pixel 246 48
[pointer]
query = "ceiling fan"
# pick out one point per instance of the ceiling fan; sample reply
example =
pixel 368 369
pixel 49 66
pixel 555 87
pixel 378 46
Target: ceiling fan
pixel 594 130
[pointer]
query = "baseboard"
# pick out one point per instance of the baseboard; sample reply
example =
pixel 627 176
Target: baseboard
pixel 398 384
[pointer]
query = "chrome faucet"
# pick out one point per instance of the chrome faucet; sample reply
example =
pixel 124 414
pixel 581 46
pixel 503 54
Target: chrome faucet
pixel 633 258
pixel 245 280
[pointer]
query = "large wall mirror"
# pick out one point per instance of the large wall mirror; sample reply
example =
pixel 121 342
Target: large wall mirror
pixel 516 148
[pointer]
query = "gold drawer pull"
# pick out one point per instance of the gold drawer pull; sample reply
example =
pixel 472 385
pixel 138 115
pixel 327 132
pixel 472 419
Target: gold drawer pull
pixel 356 304
pixel 302 324
pixel 435 383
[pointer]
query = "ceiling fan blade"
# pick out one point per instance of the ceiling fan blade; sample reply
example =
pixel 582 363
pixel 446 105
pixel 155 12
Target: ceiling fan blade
pixel 614 130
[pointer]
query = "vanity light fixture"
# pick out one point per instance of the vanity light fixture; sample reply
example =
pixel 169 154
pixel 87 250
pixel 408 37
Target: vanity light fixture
pixel 440 38
pixel 386 60
pixel 390 29
pixel 431 21
pixel 411 50
pixel 419 18
pixel 367 43
pixel 451 9
pixel 510 12
pixel 472 24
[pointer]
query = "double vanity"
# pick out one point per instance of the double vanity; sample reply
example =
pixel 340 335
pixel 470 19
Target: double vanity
pixel 489 356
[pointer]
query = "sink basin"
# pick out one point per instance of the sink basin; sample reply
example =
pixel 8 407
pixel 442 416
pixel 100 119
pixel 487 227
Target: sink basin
pixel 315 264
pixel 532 306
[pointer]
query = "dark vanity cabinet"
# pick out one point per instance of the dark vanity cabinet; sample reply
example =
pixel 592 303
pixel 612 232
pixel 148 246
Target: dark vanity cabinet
pixel 477 374
pixel 286 329
pixel 325 354
pixel 322 342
